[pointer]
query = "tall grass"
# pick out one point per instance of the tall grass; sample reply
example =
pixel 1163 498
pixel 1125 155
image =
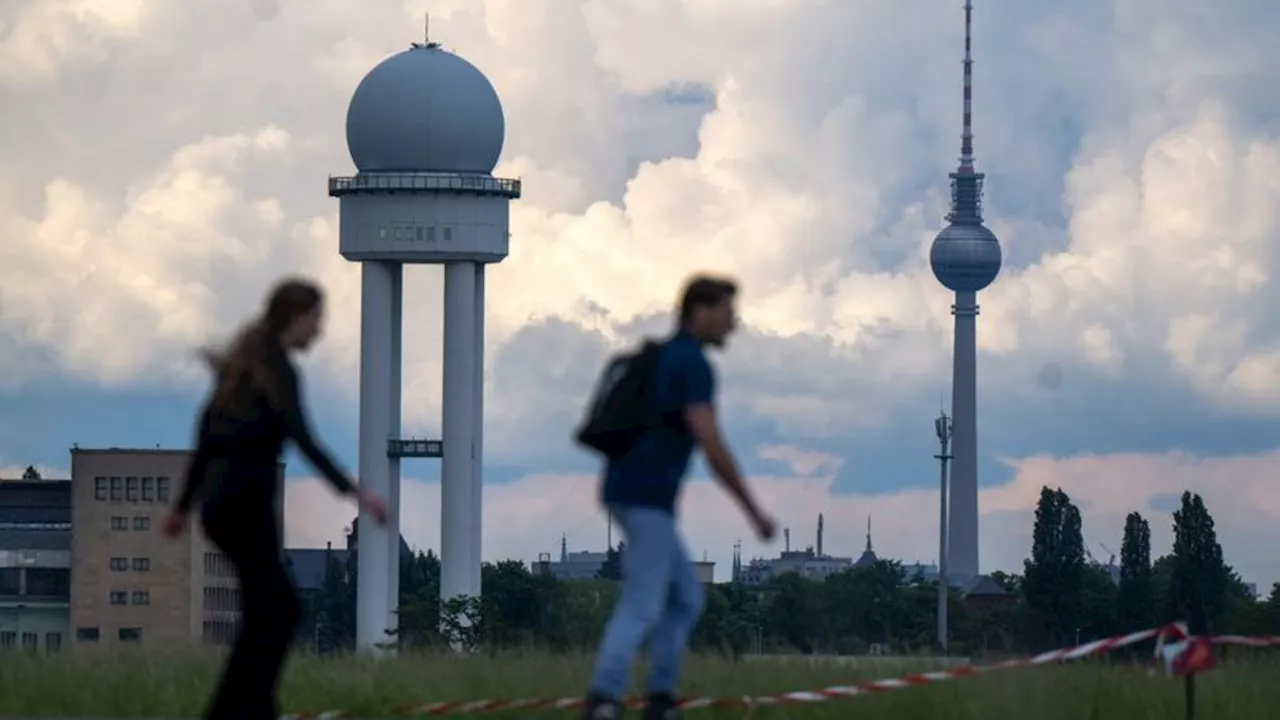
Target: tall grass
pixel 175 685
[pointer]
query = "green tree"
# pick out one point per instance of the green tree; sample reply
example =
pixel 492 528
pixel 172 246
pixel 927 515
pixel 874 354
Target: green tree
pixel 1135 599
pixel 713 632
pixel 1200 581
pixel 1009 581
pixel 334 608
pixel 1098 594
pixel 1053 582
pixel 418 619
pixel 611 569
pixel 511 605
pixel 793 616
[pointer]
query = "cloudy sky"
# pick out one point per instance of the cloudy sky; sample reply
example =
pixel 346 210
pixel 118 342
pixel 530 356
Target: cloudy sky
pixel 163 162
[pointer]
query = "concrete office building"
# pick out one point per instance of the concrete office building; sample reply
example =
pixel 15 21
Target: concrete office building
pixel 129 584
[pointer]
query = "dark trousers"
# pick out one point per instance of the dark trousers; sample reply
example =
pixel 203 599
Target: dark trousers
pixel 270 613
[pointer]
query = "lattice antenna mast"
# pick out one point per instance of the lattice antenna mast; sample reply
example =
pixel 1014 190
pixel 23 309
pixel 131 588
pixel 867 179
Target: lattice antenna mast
pixel 966 182
pixel 966 133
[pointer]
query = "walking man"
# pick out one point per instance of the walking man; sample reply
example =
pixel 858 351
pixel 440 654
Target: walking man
pixel 661 598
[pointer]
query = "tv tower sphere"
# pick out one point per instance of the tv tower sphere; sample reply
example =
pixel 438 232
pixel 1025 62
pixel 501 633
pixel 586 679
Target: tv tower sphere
pixel 965 257
pixel 425 110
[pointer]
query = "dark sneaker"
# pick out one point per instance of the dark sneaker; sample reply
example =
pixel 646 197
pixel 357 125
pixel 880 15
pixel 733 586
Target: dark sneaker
pixel 601 708
pixel 662 707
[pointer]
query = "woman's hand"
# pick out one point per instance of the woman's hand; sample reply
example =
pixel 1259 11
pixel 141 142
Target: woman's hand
pixel 374 505
pixel 174 523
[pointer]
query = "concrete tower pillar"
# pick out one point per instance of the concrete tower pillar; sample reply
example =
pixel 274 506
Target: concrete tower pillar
pixel 379 403
pixel 477 484
pixel 962 543
pixel 457 494
pixel 393 462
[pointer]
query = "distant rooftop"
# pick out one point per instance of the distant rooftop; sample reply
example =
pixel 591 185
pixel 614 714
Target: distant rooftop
pixel 157 450
pixel 308 565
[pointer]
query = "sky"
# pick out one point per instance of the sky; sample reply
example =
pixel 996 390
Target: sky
pixel 165 162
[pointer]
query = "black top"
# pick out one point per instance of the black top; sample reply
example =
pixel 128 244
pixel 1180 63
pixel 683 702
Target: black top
pixel 238 448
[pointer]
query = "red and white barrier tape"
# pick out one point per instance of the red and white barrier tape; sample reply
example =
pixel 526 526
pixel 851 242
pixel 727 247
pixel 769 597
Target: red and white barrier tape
pixel 1097 647
pixel 1260 641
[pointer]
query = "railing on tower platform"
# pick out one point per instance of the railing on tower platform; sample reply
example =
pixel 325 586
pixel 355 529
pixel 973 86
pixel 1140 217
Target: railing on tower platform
pixel 415 448
pixel 411 182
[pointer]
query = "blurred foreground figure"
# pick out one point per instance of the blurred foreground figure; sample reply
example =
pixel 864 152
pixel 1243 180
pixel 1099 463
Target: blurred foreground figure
pixel 651 409
pixel 255 406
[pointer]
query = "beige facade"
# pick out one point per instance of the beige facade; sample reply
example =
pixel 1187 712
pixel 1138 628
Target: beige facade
pixel 129 583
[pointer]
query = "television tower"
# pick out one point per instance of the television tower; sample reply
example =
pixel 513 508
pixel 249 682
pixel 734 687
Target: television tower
pixel 965 258
pixel 424 129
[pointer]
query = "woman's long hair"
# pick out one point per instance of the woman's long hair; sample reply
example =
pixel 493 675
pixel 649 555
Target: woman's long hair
pixel 245 366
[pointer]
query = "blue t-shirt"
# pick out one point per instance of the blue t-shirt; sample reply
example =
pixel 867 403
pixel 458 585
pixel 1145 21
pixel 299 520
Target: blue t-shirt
pixel 651 472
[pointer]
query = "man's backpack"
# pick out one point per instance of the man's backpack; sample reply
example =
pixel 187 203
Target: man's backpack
pixel 623 408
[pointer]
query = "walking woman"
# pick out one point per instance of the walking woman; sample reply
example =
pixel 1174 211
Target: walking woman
pixel 253 410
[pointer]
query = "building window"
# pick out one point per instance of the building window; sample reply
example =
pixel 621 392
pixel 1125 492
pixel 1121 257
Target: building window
pixel 100 488
pixel 119 564
pixel 49 582
pixel 131 489
pixel 141 564
pixel 52 642
pixel 162 489
pixel 220 632
pixel 431 234
pixel 117 489
pixel 141 597
pixel 130 634
pixel 217 564
pixel 141 523
pixel 119 597
pixel 10 581
pixel 448 233
pixel 148 489
pixel 221 599
pixel 8 639
pixel 30 641
pixel 87 634
pixel 119 523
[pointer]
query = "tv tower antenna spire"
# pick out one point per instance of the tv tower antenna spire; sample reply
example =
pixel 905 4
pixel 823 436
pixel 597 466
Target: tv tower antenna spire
pixel 966 133
pixel 966 181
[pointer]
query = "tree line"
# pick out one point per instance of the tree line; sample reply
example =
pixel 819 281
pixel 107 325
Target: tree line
pixel 1061 598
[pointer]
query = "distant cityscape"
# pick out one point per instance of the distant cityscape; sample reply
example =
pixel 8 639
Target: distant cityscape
pixel 80 563
pixel 811 563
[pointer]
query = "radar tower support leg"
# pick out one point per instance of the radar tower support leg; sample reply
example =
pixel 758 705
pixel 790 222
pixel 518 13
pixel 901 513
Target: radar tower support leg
pixel 477 486
pixel 379 336
pixel 393 463
pixel 457 496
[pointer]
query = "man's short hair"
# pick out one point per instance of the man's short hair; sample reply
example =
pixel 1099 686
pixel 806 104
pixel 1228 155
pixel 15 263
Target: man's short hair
pixel 704 291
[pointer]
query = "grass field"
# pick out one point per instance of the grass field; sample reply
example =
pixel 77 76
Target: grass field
pixel 175 686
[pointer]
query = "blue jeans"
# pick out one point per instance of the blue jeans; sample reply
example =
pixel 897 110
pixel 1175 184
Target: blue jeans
pixel 661 600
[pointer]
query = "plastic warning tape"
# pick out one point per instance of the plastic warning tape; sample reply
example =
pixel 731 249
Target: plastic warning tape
pixel 1246 640
pixel 1097 647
